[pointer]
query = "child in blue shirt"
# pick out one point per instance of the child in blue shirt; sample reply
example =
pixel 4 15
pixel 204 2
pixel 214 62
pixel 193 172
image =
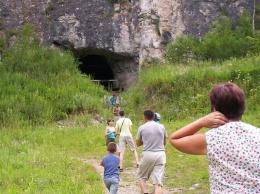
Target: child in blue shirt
pixel 112 100
pixel 110 162
pixel 110 131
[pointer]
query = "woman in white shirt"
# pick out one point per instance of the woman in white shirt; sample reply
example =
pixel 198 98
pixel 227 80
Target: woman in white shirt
pixel 232 146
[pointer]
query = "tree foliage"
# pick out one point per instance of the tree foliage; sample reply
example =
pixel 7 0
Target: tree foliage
pixel 224 40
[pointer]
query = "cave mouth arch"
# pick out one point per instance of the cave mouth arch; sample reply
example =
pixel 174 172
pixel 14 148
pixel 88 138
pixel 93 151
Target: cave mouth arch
pixel 120 69
pixel 99 69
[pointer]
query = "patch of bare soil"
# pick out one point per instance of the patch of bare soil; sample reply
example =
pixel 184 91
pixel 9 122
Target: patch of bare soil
pixel 129 183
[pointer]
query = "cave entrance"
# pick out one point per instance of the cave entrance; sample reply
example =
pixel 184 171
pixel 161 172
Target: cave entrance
pixel 98 67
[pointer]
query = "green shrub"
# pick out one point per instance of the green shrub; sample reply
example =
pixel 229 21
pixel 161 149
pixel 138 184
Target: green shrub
pixel 257 16
pixel 223 41
pixel 51 7
pixel 3 46
pixel 40 85
pixel 183 49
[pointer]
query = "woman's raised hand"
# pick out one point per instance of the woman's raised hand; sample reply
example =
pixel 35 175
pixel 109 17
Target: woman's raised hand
pixel 214 120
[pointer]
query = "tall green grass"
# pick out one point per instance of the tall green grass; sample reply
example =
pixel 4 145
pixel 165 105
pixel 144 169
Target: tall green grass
pixel 47 160
pixel 181 91
pixel 40 85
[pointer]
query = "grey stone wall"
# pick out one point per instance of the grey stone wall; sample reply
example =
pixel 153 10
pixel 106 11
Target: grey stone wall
pixel 126 33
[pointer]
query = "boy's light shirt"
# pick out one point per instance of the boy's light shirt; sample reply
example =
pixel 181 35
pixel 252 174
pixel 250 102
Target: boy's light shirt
pixel 125 131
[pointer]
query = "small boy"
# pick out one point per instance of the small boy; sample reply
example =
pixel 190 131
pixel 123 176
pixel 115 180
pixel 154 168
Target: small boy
pixel 110 162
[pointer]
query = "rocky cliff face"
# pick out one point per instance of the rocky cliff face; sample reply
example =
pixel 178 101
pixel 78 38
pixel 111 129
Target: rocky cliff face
pixel 125 33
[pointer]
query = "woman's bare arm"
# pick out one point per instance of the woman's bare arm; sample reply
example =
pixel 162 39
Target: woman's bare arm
pixel 106 133
pixel 185 139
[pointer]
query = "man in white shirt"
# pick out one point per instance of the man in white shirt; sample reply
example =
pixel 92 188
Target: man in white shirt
pixel 124 129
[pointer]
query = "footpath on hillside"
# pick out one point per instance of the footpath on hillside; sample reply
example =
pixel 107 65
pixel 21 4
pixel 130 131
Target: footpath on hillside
pixel 129 183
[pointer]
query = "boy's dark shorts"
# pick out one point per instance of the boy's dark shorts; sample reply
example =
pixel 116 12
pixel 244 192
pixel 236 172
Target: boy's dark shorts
pixel 110 140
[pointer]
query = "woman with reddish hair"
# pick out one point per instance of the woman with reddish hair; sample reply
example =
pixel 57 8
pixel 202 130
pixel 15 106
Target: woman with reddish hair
pixel 232 146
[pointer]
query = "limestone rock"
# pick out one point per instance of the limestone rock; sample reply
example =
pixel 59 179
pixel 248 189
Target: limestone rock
pixel 126 33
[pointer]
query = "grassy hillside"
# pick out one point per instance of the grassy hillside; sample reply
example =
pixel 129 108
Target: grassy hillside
pixel 41 86
pixel 48 159
pixel 181 91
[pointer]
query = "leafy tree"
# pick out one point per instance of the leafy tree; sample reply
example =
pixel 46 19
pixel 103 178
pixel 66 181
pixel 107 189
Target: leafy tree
pixel 225 39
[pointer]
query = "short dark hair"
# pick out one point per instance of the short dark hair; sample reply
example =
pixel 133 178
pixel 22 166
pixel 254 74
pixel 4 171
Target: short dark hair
pixel 149 114
pixel 121 113
pixel 111 147
pixel 228 99
pixel 110 119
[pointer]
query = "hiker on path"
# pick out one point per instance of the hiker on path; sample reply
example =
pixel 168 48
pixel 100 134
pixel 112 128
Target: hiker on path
pixel 115 111
pixel 110 163
pixel 157 117
pixel 110 132
pixel 112 100
pixel 124 129
pixel 152 136
pixel 232 146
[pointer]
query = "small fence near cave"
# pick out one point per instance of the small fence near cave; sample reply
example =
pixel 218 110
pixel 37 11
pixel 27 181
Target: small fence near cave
pixel 109 84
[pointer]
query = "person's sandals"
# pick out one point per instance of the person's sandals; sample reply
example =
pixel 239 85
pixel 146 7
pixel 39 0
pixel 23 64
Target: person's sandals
pixel 121 169
pixel 137 166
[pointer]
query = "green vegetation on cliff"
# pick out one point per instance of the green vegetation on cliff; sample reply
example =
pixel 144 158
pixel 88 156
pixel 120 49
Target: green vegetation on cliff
pixel 39 85
pixel 225 40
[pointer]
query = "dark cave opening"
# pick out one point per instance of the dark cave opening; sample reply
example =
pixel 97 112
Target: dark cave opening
pixel 98 68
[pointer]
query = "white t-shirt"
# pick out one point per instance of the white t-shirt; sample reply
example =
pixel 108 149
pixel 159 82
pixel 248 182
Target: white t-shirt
pixel 126 124
pixel 233 152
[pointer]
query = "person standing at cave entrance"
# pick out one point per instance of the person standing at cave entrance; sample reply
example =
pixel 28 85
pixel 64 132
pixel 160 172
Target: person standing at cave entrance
pixel 112 100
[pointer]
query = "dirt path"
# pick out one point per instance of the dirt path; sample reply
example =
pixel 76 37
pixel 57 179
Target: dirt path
pixel 128 179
